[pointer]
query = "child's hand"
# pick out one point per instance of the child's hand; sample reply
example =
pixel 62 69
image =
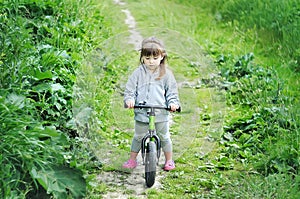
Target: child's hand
pixel 130 104
pixel 174 107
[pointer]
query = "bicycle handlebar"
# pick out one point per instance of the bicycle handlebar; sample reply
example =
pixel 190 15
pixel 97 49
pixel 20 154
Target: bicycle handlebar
pixel 156 107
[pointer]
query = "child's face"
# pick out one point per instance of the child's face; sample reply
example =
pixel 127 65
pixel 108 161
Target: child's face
pixel 152 62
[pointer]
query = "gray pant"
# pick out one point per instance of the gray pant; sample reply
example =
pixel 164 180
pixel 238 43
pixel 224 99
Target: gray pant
pixel 162 130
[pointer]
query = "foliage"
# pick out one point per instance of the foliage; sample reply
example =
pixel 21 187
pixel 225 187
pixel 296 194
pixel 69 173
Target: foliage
pixel 263 130
pixel 42 44
pixel 25 144
pixel 60 180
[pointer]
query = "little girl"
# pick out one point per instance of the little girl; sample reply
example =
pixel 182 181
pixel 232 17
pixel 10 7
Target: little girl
pixel 152 82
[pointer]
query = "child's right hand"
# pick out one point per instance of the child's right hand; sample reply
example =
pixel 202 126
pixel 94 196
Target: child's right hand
pixel 174 107
pixel 130 104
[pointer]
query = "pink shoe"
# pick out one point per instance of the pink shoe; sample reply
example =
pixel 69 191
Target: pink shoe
pixel 170 165
pixel 130 164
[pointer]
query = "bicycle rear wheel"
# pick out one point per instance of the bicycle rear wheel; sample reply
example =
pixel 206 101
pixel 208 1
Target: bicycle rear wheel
pixel 150 163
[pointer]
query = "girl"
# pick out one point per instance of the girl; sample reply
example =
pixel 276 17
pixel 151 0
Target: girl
pixel 152 82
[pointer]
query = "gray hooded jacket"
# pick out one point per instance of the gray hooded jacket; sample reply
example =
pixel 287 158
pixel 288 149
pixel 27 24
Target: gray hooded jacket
pixel 142 86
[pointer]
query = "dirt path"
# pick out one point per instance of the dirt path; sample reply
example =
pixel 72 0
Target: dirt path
pixel 122 184
pixel 135 37
pixel 134 183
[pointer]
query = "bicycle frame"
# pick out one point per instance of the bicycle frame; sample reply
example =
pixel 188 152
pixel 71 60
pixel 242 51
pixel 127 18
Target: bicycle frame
pixel 150 142
pixel 151 135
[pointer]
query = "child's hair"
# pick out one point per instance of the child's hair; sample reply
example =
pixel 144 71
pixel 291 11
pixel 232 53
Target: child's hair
pixel 153 47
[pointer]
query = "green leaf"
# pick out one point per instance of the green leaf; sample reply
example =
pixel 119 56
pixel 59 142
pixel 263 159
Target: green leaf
pixel 43 75
pixel 16 100
pixel 48 131
pixel 57 87
pixel 228 136
pixel 41 87
pixel 236 146
pixel 60 181
pixel 64 54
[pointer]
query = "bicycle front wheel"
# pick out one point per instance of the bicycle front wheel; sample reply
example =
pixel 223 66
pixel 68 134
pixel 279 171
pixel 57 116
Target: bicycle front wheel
pixel 150 163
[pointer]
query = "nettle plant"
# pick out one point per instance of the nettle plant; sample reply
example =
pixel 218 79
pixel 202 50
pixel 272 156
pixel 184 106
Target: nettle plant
pixel 262 129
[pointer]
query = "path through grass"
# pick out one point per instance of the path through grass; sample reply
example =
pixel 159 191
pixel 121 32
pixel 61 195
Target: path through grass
pixel 194 130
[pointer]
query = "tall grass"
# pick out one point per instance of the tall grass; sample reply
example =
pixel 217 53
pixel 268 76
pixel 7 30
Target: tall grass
pixel 277 21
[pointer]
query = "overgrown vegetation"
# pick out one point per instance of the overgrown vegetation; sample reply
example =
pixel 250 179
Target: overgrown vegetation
pixel 262 131
pixel 42 46
pixel 266 121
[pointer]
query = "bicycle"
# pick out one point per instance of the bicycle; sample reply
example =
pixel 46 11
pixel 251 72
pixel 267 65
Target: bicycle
pixel 151 146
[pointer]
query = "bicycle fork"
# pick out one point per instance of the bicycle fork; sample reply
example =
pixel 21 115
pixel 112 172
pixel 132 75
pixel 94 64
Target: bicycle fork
pixel 151 138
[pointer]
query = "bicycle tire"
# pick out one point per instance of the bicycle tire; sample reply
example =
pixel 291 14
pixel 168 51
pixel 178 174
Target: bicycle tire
pixel 150 163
